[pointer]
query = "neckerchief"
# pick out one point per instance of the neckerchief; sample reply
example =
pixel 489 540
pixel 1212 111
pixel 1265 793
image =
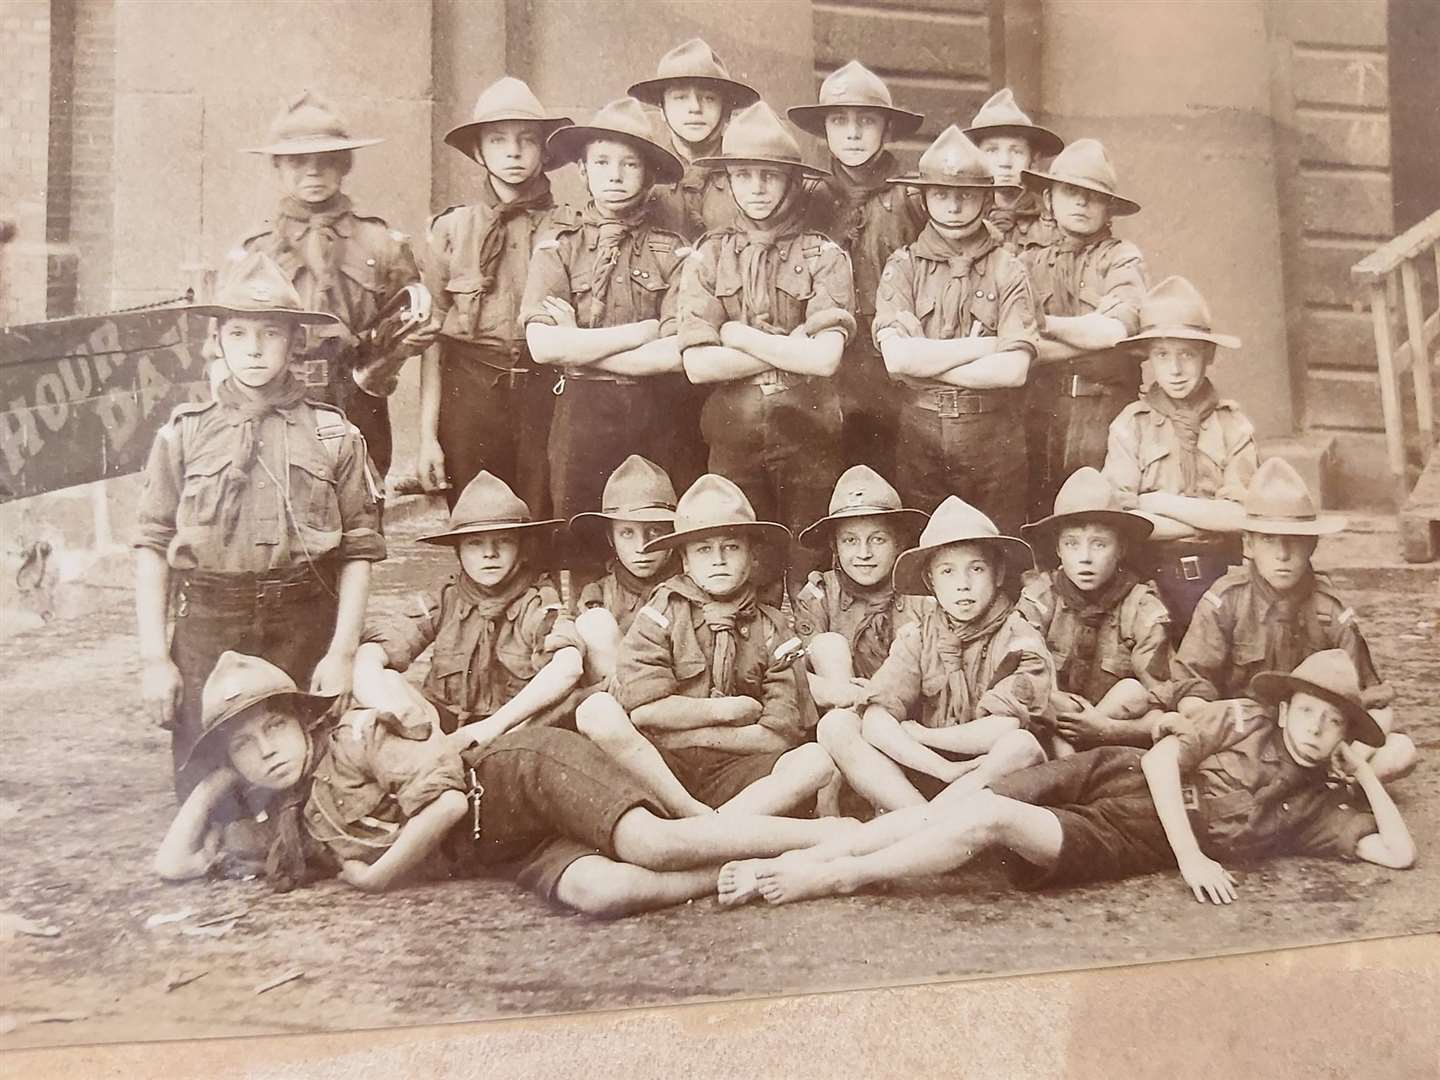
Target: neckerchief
pixel 1027 207
pixel 688 152
pixel 840 200
pixel 723 617
pixel 957 697
pixel 291 856
pixel 489 607
pixel 1285 644
pixel 637 586
pixel 1063 258
pixel 534 194
pixel 1186 417
pixel 960 256
pixel 871 643
pixel 612 234
pixel 308 230
pixel 748 257
pixel 1090 610
pixel 249 406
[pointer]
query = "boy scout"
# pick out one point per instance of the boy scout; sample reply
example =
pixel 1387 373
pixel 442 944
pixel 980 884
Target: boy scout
pixel 339 261
pixel 1013 143
pixel 259 514
pixel 764 312
pixel 962 685
pixel 1245 780
pixel 1182 455
pixel 1276 610
pixel 859 208
pixel 1106 628
pixel 698 673
pixel 595 308
pixel 1089 285
pixel 483 405
pixel 955 323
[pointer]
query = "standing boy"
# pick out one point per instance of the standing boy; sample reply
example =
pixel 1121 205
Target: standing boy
pixel 765 311
pixel 339 261
pixel 1089 285
pixel 861 209
pixel 1012 143
pixel 483 404
pixel 955 323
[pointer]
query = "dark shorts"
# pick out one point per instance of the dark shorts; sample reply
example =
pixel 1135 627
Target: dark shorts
pixel 551 797
pixel 1109 828
pixel 717 776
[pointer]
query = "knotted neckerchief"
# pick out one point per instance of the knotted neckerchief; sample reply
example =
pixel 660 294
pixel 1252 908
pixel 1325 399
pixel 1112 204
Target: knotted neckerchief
pixel 308 230
pixel 534 194
pixel 749 257
pixel 960 257
pixel 873 633
pixel 610 236
pixel 957 697
pixel 1026 208
pixel 1285 644
pixel 1063 259
pixel 638 588
pixel 723 617
pixel 481 612
pixel 1187 417
pixel 247 407
pixel 1090 610
pixel 847 190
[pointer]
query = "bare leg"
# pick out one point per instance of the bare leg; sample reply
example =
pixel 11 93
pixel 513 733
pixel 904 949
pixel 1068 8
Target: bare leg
pixel 1397 758
pixel 795 780
pixel 603 722
pixel 607 889
pixel 830 657
pixel 1013 751
pixel 884 733
pixel 660 843
pixel 876 777
pixel 1126 700
pixel 601 636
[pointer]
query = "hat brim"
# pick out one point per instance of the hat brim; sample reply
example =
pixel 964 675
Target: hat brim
pixel 463 136
pixel 1183 333
pixel 809 172
pixel 567 144
pixel 1326 525
pixel 1042 534
pixel 313 704
pixel 916 180
pixel 305 318
pixel 766 532
pixel 811 118
pixel 290 147
pixel 909 573
pixel 736 94
pixel 451 537
pixel 1044 141
pixel 816 537
pixel 1273 687
pixel 585 525
pixel 1120 206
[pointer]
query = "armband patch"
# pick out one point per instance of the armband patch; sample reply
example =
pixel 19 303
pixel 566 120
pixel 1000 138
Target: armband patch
pixel 1214 600
pixel 658 616
pixel 814 590
pixel 1346 616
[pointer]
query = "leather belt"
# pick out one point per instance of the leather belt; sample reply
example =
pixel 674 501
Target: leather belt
pixel 1082 386
pixel 774 380
pixel 953 403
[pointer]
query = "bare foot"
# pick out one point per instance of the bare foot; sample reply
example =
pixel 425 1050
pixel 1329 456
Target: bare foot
pixel 736 884
pixel 784 881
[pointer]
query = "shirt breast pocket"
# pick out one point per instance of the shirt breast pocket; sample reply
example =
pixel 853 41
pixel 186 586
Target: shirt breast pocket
pixel 464 292
pixel 1248 657
pixel 794 280
pixel 365 273
pixel 1115 661
pixel 984 314
pixel 200 495
pixel 313 496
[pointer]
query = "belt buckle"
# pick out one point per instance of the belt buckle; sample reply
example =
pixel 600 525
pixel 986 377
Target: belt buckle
pixel 947 403
pixel 1190 567
pixel 1074 390
pixel 1191 797
pixel 314 372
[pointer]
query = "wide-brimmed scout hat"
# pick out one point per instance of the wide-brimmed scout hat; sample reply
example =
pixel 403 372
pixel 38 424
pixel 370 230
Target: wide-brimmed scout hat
pixel 1086 496
pixel 953 161
pixel 715 505
pixel 625 120
pixel 1329 675
pixel 236 683
pixel 638 490
pixel 955 521
pixel 1278 503
pixel 694 61
pixel 1002 116
pixel 1175 309
pixel 1084 164
pixel 757 136
pixel 308 125
pixel 487 505
pixel 505 99
pixel 862 492
pixel 255 285
pixel 854 86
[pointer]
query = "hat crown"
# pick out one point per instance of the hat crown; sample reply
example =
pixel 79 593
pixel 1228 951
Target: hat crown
pixel 861 486
pixel 713 502
pixel 237 680
pixel 757 132
pixel 1332 670
pixel 624 116
pixel 1277 491
pixel 256 283
pixel 953 159
pixel 1174 302
pixel 954 521
pixel 508 98
pixel 1086 491
pixel 637 484
pixel 488 500
pixel 693 59
pixel 1001 111
pixel 307 117
pixel 857 86
pixel 1086 163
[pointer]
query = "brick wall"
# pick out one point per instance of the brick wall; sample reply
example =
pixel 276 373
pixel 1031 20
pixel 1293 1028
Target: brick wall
pixel 24 155
pixel 92 154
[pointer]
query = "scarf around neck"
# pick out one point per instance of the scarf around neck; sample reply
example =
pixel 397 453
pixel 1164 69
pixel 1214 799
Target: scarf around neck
pixel 247 408
pixel 489 607
pixel 612 235
pixel 534 194
pixel 873 633
pixel 956 701
pixel 723 617
pixel 1027 207
pixel 960 257
pixel 638 586
pixel 1063 258
pixel 1285 644
pixel 1090 609
pixel 1187 417
pixel 755 260
pixel 309 233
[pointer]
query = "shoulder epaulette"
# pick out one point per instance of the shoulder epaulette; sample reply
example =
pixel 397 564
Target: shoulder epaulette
pixel 1234 577
pixel 815 585
pixel 448 210
pixel 664 242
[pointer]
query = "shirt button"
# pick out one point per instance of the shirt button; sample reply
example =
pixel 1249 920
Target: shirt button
pixel 979 294
pixel 797 268
pixel 260 483
pixel 1284 806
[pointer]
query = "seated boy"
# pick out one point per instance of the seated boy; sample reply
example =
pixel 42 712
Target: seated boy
pixel 1012 144
pixel 1181 455
pixel 955 323
pixel 1274 611
pixel 386 801
pixel 961 686
pixel 1242 779
pixel 697 674
pixel 1106 628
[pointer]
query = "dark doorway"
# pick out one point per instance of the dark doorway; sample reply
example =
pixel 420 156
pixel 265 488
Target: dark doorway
pixel 1414 36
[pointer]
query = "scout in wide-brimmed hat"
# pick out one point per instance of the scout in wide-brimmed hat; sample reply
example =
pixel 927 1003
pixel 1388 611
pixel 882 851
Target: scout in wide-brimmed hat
pixel 1002 116
pixel 488 505
pixel 254 285
pixel 694 61
pixel 957 522
pixel 1086 497
pixel 1084 164
pixel 1277 503
pixel 505 99
pixel 953 161
pixel 1330 676
pixel 757 136
pixel 638 490
pixel 854 86
pixel 862 492
pixel 1175 309
pixel 308 125
pixel 625 121
pixel 715 505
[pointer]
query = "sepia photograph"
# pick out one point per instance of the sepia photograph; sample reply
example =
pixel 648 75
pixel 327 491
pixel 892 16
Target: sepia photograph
pixel 531 507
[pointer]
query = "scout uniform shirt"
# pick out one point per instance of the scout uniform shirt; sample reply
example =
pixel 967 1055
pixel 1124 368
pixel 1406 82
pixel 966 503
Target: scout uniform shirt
pixel 619 592
pixel 868 622
pixel 486 647
pixel 1242 627
pixel 375 775
pixel 671 650
pixel 700 202
pixel 937 670
pixel 232 494
pixel 1025 225
pixel 1095 273
pixel 1249 799
pixel 1099 639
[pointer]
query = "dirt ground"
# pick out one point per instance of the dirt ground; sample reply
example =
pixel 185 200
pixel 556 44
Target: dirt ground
pixel 85 797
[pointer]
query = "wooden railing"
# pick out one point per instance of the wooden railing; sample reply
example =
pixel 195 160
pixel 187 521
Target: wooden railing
pixel 1391 277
